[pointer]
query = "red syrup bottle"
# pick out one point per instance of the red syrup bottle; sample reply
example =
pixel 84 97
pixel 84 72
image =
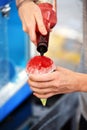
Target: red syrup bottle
pixel 50 19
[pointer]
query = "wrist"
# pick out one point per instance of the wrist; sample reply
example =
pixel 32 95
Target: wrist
pixel 19 3
pixel 82 82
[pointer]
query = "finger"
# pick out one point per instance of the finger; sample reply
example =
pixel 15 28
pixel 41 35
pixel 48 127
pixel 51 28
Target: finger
pixel 31 30
pixel 29 27
pixel 44 96
pixel 40 23
pixel 42 77
pixel 25 29
pixel 42 91
pixel 40 85
pixel 55 5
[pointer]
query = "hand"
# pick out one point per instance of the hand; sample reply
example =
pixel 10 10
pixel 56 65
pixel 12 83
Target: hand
pixel 31 16
pixel 58 82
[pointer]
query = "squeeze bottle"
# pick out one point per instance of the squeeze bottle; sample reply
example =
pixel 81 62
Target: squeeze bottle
pixel 49 17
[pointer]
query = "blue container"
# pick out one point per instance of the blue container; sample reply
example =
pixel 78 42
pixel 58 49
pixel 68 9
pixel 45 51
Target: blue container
pixel 4 2
pixel 14 50
pixel 4 77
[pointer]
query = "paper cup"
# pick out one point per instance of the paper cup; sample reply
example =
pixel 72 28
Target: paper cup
pixel 40 65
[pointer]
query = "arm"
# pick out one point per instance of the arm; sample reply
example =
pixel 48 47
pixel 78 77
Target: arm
pixel 31 16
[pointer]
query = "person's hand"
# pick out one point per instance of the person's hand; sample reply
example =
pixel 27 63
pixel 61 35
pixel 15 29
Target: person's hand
pixel 58 82
pixel 30 15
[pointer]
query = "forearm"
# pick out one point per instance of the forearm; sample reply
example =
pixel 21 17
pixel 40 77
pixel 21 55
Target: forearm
pixel 82 82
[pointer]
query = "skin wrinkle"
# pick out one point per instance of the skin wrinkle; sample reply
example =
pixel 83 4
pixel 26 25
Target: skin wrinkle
pixel 43 77
pixel 42 91
pixel 39 84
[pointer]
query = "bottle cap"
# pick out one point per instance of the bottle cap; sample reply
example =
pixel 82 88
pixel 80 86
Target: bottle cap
pixel 42 48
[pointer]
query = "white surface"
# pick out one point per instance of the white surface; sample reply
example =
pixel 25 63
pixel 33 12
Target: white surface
pixel 11 88
pixel 69 14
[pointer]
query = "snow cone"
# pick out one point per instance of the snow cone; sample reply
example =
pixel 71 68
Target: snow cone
pixel 40 65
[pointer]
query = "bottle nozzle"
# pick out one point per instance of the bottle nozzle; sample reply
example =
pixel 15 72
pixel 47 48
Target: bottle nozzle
pixel 42 48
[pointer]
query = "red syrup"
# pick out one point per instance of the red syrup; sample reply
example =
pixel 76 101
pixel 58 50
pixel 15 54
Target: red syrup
pixel 40 65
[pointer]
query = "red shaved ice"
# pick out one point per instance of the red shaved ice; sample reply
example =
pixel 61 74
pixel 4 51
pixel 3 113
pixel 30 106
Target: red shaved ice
pixel 40 65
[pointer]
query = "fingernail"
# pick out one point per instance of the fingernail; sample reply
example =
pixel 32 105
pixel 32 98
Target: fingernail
pixel 34 94
pixel 44 31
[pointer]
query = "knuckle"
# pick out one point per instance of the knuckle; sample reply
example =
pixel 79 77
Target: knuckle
pixel 47 95
pixel 52 89
pixel 33 40
pixel 25 29
pixel 37 10
pixel 41 26
pixel 29 25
